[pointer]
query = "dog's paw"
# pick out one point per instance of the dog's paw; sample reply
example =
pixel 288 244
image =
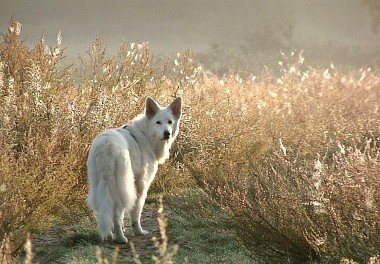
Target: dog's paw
pixel 144 232
pixel 121 240
pixel 141 232
pixel 108 238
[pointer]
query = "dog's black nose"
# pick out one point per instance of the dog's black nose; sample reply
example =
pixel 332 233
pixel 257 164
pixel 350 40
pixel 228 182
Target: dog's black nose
pixel 166 134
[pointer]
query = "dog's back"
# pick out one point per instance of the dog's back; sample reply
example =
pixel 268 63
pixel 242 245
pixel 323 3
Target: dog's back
pixel 111 177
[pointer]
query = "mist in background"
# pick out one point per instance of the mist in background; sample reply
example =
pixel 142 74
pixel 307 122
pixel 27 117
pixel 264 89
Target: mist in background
pixel 222 33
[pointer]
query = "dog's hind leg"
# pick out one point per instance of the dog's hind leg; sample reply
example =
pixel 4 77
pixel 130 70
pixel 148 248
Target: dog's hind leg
pixel 118 226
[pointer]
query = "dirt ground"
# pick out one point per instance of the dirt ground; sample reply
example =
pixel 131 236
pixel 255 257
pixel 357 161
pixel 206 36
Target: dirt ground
pixel 64 237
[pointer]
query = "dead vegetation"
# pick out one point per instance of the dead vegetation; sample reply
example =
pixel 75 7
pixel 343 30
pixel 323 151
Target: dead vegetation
pixel 292 162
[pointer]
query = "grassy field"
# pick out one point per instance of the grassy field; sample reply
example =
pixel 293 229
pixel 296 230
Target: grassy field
pixel 278 167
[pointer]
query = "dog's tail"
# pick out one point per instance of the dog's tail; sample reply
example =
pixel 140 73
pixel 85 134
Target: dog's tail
pixel 111 186
pixel 105 210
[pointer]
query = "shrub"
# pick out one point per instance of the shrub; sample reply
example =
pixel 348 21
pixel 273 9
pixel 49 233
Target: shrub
pixel 293 162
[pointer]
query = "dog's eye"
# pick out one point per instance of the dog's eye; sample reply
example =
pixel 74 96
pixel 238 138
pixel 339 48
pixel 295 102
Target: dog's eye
pixel 158 122
pixel 169 122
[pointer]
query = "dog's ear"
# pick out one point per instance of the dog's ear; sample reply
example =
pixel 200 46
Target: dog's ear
pixel 151 107
pixel 176 107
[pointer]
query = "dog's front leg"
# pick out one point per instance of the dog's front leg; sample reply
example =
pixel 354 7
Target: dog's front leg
pixel 137 210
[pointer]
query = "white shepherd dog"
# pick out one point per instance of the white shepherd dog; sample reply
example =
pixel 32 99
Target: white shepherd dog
pixel 122 163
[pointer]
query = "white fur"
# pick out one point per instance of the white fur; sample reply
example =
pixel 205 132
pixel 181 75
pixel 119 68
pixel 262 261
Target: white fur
pixel 122 164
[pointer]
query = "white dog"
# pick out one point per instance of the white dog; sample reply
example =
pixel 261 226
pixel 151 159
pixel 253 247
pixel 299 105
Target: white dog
pixel 122 163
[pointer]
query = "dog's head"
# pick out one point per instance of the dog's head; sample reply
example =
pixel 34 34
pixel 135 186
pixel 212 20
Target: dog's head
pixel 163 122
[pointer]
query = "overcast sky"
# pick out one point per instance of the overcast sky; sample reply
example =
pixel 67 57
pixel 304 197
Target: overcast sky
pixel 176 25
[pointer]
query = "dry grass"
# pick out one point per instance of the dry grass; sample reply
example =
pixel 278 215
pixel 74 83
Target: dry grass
pixel 293 161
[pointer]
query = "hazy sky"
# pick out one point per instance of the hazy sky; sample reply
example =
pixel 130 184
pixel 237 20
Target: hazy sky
pixel 175 25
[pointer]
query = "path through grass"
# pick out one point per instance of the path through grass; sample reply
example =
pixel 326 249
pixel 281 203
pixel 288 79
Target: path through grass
pixel 198 242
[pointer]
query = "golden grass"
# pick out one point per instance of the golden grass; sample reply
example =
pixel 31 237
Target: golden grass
pixel 293 161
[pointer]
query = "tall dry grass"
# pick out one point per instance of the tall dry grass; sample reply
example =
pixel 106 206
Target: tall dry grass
pixel 49 115
pixel 292 162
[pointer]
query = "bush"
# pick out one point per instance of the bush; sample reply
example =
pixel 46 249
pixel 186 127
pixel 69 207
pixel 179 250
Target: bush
pixel 293 162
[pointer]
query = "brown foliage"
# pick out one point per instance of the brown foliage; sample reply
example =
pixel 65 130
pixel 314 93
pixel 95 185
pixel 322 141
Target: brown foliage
pixel 293 162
